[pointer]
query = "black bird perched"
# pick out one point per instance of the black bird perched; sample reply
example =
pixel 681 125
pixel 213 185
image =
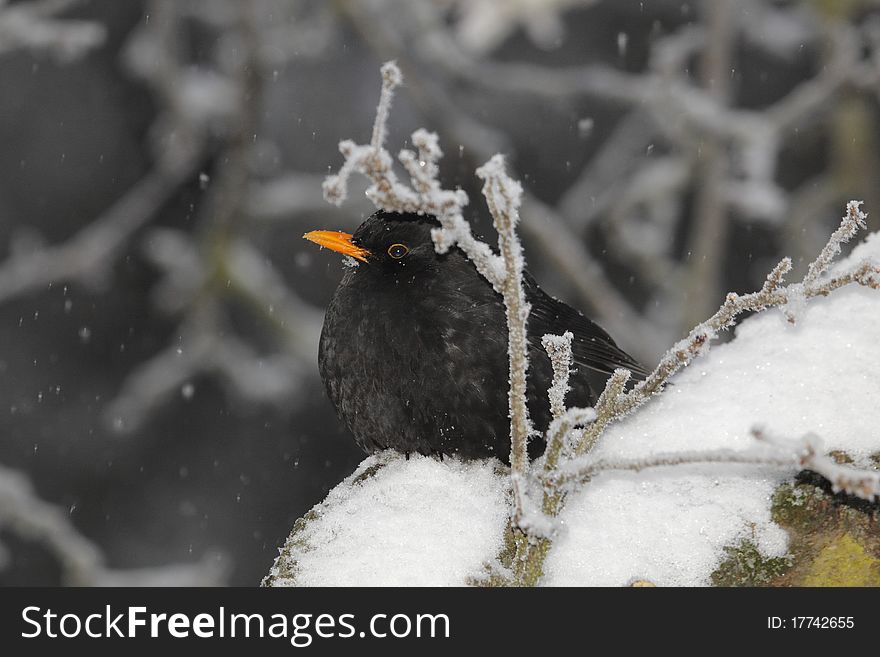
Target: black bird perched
pixel 413 352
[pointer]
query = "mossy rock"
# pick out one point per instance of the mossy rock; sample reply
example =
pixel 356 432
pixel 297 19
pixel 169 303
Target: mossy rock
pixel 746 566
pixel 284 570
pixel 834 541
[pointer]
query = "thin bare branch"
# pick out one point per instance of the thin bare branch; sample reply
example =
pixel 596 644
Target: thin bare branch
pixel 89 253
pixel 82 563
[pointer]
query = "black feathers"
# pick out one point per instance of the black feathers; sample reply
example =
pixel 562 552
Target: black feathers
pixel 413 352
pixel 592 347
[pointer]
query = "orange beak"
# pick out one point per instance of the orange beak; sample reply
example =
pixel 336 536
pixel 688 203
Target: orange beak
pixel 339 242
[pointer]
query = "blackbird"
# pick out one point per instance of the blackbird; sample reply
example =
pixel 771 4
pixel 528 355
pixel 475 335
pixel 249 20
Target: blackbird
pixel 413 352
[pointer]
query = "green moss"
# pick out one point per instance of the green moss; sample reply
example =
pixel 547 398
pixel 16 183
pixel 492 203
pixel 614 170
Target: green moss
pixel 791 505
pixel 843 562
pixel 369 473
pixel 491 577
pixel 513 569
pixel 834 540
pixel 287 566
pixel 746 566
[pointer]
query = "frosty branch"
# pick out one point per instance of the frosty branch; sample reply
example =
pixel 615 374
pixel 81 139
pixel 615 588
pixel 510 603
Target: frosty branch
pixel 89 254
pixel 218 102
pixel 26 516
pixel 805 454
pixel 615 404
pixel 35 26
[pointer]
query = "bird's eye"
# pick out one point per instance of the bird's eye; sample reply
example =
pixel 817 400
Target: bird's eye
pixel 397 251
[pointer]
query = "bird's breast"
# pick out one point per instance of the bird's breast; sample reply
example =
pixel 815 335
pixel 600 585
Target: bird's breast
pixel 417 372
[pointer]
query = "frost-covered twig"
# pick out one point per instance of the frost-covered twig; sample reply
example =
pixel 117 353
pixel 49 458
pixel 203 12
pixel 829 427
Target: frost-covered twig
pixel 866 274
pixel 854 220
pixel 503 196
pixel 88 254
pixel 810 456
pixel 391 79
pixel 426 197
pixel 582 470
pixel 558 348
pixel 82 564
pixel 606 410
pixel 216 264
pixel 203 347
pixel 558 437
pixel 772 294
pixel 803 454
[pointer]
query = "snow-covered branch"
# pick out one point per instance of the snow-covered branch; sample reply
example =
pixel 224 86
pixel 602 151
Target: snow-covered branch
pixel 25 515
pixel 558 348
pixel 220 100
pixel 203 346
pixel 88 255
pixel 773 293
pixel 805 454
pixel 35 26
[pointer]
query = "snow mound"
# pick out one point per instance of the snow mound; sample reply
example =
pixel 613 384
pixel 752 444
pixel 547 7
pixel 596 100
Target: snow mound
pixel 399 522
pixel 426 522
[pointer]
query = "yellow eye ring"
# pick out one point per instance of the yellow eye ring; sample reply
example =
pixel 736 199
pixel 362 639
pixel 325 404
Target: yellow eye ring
pixel 397 251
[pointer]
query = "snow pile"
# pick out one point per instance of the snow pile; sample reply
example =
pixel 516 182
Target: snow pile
pixel 423 521
pixel 416 522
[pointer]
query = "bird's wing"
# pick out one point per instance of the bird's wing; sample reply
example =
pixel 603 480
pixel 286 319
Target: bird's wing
pixel 592 347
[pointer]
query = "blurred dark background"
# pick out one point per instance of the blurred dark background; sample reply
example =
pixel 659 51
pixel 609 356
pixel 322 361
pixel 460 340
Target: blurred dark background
pixel 162 419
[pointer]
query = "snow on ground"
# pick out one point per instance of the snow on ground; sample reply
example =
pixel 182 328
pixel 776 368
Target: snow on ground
pixel 426 522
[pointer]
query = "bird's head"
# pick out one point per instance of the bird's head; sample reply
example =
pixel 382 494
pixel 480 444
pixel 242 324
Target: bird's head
pixel 387 243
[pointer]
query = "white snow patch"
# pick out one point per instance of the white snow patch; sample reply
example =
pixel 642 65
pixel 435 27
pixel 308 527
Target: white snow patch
pixel 417 522
pixel 668 526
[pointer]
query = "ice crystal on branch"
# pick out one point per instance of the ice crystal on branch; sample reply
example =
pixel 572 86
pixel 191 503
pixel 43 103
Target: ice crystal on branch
pixel 852 221
pixel 558 348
